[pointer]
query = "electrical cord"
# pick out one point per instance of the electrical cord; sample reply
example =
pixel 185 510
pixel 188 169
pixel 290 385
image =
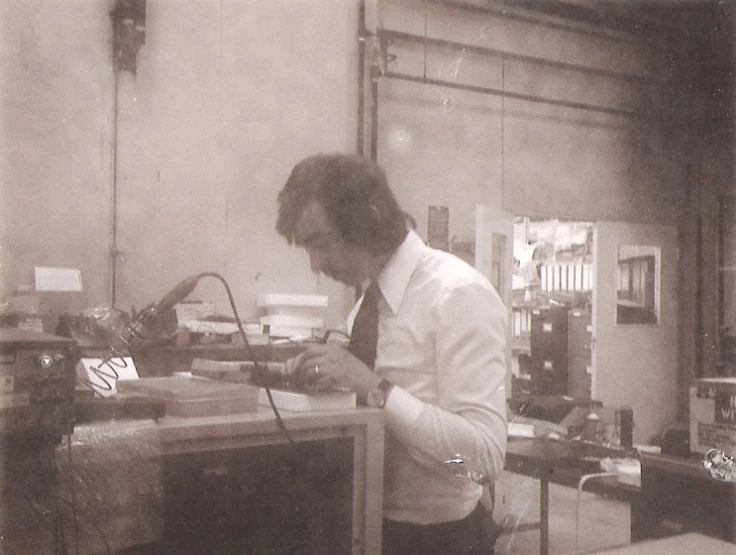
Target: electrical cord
pixel 326 336
pixel 46 473
pixel 251 352
pixel 73 494
pixel 92 523
pixel 58 522
pixel 137 334
pixel 42 515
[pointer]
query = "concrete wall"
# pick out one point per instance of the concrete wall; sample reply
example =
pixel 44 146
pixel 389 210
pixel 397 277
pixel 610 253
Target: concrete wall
pixel 228 95
pixel 55 141
pixel 528 157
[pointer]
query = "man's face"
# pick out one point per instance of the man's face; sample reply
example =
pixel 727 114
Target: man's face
pixel 327 251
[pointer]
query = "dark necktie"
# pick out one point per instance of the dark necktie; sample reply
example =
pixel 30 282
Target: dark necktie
pixel 364 336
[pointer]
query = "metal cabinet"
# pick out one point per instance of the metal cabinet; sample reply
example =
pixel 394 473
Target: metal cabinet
pixel 579 353
pixel 549 350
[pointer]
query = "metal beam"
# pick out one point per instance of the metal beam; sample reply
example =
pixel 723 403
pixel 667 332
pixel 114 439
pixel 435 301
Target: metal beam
pixel 517 96
pixel 483 51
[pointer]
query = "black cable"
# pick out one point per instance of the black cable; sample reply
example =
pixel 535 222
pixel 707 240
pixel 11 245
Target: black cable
pixel 93 524
pixel 249 348
pixel 73 494
pixel 40 514
pixel 57 522
pixel 49 511
pixel 326 336
pixel 88 500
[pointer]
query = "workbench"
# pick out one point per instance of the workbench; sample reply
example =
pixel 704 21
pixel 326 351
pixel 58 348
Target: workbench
pixel 219 484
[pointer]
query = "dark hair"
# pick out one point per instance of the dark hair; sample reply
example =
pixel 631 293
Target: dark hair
pixel 355 194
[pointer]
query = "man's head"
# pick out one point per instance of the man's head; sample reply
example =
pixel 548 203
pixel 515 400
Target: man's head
pixel 340 208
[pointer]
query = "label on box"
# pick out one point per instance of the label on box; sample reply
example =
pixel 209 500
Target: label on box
pixel 725 407
pixel 712 413
pixel 714 435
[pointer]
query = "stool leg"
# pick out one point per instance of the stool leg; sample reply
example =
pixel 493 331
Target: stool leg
pixel 544 515
pixel 584 478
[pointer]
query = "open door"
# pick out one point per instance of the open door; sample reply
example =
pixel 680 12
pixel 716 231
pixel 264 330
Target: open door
pixel 635 323
pixel 494 258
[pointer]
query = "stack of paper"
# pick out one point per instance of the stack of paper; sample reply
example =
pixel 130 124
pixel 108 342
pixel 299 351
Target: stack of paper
pixel 305 402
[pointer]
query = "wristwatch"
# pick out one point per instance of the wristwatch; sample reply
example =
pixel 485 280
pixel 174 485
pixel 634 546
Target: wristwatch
pixel 376 398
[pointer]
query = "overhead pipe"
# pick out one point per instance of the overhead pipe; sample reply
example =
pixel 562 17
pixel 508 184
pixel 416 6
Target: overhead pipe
pixel 114 251
pixel 367 53
pixel 510 56
pixel 507 10
pixel 362 35
pixel 375 76
pixel 518 96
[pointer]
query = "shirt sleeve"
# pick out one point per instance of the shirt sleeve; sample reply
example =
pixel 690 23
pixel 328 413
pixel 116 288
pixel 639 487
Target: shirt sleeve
pixel 470 419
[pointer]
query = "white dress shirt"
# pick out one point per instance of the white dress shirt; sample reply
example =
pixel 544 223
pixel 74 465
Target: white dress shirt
pixel 442 341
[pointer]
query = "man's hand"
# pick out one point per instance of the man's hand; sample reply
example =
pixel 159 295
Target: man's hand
pixel 332 365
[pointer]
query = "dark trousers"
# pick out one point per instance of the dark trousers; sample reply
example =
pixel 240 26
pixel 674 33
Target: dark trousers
pixel 472 535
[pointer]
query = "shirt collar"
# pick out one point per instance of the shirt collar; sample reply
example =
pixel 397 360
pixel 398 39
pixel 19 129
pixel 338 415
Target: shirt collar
pixel 394 278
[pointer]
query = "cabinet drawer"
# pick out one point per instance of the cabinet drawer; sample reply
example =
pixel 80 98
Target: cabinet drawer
pixel 579 333
pixel 579 378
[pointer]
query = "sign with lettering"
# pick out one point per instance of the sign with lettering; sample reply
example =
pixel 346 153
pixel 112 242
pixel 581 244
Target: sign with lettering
pixel 438 227
pixel 725 407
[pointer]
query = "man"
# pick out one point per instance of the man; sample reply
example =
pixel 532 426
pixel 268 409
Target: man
pixel 438 366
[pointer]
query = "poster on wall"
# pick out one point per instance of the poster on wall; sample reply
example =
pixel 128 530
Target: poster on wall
pixel 438 228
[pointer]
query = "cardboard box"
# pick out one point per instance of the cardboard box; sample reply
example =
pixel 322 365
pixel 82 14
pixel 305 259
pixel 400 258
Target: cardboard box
pixel 712 413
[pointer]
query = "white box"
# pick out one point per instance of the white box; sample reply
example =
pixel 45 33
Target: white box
pixel 712 413
pixel 308 306
pixel 307 402
pixel 293 321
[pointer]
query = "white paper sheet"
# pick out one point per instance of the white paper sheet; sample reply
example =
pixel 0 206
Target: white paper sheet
pixel 58 279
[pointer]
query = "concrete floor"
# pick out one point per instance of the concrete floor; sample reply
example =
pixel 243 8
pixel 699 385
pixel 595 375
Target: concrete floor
pixel 603 522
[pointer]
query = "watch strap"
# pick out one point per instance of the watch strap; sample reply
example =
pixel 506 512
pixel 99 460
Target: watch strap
pixel 376 398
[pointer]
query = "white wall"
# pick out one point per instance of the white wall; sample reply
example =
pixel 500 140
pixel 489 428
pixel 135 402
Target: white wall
pixel 55 155
pixel 228 95
pixel 529 158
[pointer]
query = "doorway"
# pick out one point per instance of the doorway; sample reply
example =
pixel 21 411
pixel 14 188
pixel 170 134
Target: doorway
pixel 594 316
pixel 552 300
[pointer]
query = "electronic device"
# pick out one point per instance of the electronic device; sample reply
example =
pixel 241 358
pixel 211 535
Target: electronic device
pixel 37 380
